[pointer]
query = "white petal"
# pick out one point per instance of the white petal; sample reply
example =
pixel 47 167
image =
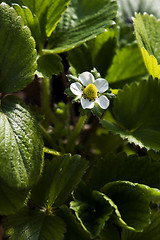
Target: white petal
pixel 101 84
pixel 76 89
pixel 86 78
pixel 86 103
pixel 103 102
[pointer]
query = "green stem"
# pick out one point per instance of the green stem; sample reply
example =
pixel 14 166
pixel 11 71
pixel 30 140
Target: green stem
pixel 49 116
pixel 52 151
pixel 47 136
pixel 72 139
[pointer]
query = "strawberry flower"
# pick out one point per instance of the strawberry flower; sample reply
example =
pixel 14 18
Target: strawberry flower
pixel 90 91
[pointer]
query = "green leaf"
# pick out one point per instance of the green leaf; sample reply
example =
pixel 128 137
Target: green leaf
pixel 92 211
pixel 49 64
pixel 122 167
pixel 30 21
pixel 96 53
pixel 132 201
pixel 11 199
pixel 21 145
pixel 152 231
pixel 55 11
pixel 147 29
pixel 60 177
pixel 82 21
pixel 34 225
pixel 18 54
pixel 74 229
pixel 127 65
pixel 137 112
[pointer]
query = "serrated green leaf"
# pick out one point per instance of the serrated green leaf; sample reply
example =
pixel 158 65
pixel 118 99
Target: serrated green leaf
pixel 127 65
pixel 11 199
pixel 82 21
pixel 18 54
pixel 122 167
pixel 30 21
pixel 34 225
pixel 147 29
pixel 21 145
pixel 150 232
pixel 92 211
pixel 137 112
pixel 132 201
pixel 49 64
pixel 60 177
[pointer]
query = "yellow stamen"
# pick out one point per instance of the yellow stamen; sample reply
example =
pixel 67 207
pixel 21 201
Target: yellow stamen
pixel 90 92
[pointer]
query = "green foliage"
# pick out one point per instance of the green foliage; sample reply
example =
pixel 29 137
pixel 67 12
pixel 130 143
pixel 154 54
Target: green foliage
pixel 21 144
pixel 34 225
pixel 132 202
pixel 111 185
pixel 150 232
pixel 92 209
pixel 30 20
pixel 82 21
pixel 122 167
pixel 11 199
pixel 148 38
pixel 127 66
pixel 96 53
pixel 18 54
pixel 60 177
pixel 139 120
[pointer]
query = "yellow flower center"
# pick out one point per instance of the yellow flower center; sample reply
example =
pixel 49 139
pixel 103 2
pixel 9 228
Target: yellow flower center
pixel 90 92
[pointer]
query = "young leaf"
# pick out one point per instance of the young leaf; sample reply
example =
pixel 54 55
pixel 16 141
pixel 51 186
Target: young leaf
pixel 30 21
pixel 34 225
pixel 147 29
pixel 11 199
pixel 132 201
pixel 49 64
pixel 152 231
pixel 82 21
pixel 60 177
pixel 137 112
pixel 21 145
pixel 127 65
pixel 92 210
pixel 18 54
